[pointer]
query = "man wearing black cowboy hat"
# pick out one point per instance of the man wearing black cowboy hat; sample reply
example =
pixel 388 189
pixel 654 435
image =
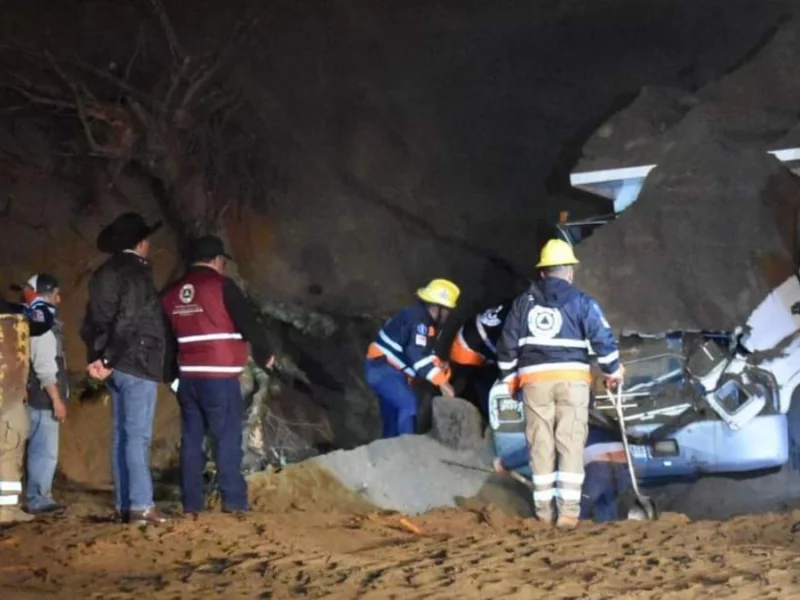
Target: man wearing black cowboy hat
pixel 212 322
pixel 125 334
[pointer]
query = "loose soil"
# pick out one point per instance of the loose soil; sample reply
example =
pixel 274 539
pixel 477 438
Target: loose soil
pixel 311 538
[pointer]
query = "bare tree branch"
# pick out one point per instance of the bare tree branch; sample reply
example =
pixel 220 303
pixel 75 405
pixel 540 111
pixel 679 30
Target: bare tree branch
pixel 174 83
pixel 39 99
pixel 81 108
pixel 169 31
pixel 135 55
pixel 198 83
pixel 116 81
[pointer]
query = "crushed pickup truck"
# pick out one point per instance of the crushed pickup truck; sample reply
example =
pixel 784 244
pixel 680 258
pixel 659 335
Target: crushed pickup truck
pixel 696 400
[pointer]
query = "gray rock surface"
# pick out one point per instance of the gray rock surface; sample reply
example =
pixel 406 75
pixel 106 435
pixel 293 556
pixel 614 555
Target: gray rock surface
pixel 456 424
pixel 408 474
pixel 712 233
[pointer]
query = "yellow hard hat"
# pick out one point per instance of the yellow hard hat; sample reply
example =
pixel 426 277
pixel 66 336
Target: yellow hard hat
pixel 556 253
pixel 440 291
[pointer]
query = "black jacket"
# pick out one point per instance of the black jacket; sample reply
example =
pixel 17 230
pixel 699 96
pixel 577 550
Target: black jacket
pixel 124 323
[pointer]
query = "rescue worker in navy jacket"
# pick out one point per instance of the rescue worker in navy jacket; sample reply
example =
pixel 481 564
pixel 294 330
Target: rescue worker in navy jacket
pixel 404 351
pixel 212 322
pixel 473 355
pixel 544 350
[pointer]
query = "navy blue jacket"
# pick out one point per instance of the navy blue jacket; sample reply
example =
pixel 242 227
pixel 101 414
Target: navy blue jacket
pixel 406 341
pixel 549 334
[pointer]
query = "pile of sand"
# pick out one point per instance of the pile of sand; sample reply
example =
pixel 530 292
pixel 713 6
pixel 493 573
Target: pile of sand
pixel 304 486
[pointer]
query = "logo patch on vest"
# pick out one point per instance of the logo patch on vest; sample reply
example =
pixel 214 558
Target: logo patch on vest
pixel 37 316
pixel 422 329
pixel 545 322
pixel 491 318
pixel 187 293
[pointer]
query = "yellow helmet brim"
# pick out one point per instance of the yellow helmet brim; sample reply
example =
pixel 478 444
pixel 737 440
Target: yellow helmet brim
pixel 426 296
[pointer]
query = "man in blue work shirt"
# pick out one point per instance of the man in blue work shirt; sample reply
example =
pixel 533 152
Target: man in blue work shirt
pixel 403 351
pixel 607 475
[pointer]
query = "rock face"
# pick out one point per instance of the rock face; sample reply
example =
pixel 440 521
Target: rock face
pixel 456 423
pixel 715 226
pixel 712 233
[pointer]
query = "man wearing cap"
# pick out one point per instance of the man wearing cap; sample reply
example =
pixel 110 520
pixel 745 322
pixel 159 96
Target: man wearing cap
pixel 403 352
pixel 544 350
pixel 48 391
pixel 125 334
pixel 212 322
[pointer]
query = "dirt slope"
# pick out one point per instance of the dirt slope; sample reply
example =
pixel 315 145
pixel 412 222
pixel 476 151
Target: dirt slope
pixel 478 553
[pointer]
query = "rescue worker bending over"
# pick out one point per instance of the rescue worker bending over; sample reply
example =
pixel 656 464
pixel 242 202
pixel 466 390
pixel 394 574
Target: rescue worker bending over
pixel 544 350
pixel 473 356
pixel 403 350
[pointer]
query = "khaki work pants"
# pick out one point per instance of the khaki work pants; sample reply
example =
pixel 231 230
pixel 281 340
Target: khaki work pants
pixel 556 416
pixel 14 428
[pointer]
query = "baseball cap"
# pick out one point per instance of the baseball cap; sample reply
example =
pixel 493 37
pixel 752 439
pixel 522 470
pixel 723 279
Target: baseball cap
pixel 208 247
pixel 43 283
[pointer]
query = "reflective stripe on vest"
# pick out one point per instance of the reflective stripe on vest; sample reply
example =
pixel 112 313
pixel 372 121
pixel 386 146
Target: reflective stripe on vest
pixel 553 342
pixel 208 337
pixel 484 336
pixel 206 369
pixel 461 353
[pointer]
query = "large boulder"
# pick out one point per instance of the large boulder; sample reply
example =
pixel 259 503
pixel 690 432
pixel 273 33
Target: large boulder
pixel 715 226
pixel 713 232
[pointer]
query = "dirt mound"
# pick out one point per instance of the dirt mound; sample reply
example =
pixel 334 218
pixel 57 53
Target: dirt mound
pixel 85 441
pixel 304 486
pixel 712 233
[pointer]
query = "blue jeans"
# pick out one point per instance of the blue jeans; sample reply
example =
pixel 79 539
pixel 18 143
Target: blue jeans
pixel 397 401
pixel 213 405
pixel 133 407
pixel 604 482
pixel 42 458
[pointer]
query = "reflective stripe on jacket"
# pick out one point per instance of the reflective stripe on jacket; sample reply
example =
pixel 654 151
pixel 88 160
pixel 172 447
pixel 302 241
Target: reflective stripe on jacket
pixel 549 333
pixel 406 342
pixel 209 344
pixel 476 342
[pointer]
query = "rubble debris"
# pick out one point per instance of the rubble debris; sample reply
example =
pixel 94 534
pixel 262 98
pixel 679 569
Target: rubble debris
pixel 712 233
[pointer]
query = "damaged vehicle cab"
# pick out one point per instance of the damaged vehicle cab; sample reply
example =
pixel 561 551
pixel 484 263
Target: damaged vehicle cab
pixel 695 403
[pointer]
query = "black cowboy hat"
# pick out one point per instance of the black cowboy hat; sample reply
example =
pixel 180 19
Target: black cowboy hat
pixel 125 232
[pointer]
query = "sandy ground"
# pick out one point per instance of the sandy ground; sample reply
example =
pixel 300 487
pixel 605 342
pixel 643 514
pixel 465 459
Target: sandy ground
pixel 311 538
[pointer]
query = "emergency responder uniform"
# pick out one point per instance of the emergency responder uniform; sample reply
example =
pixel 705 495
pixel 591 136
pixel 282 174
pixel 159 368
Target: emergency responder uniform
pixel 473 356
pixel 544 350
pixel 403 351
pixel 212 322
pixel 607 476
